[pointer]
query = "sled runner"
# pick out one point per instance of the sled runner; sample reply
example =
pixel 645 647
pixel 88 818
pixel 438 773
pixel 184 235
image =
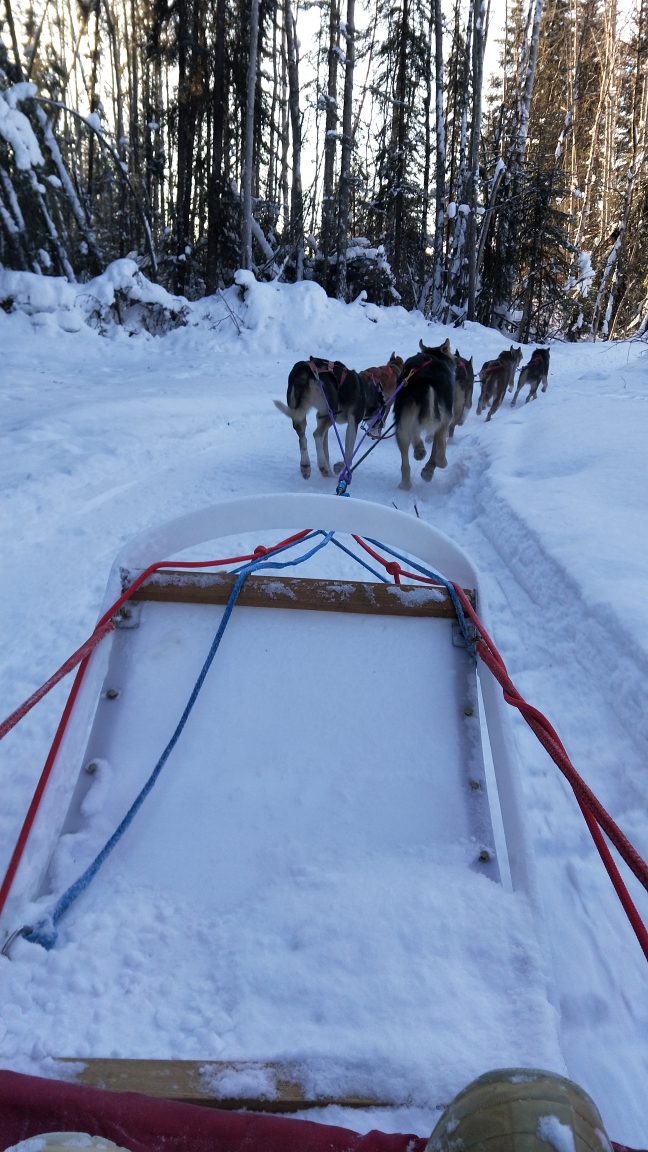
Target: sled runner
pixel 295 780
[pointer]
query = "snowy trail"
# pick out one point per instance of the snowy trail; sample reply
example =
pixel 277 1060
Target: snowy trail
pixel 104 437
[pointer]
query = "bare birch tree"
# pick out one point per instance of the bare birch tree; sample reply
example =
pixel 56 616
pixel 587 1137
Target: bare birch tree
pixel 345 161
pixel 246 231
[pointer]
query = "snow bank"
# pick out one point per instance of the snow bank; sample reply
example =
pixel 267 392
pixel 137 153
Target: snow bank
pixel 121 296
pixel 270 316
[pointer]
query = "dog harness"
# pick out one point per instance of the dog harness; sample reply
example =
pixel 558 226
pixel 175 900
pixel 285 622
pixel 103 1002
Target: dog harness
pixel 491 366
pixel 461 368
pixel 333 368
pixel 383 379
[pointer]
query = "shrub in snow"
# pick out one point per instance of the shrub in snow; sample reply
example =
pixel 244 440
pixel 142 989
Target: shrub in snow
pixel 44 298
pixel 368 270
pixel 120 297
pixel 123 296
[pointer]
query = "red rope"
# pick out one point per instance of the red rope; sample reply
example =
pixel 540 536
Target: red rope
pixel 40 787
pixel 393 567
pixel 615 876
pixel 550 740
pixel 82 655
pixel 70 663
pixel 593 811
pixel 106 625
pixel 259 551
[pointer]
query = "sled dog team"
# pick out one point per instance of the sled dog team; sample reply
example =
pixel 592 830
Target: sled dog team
pixel 430 394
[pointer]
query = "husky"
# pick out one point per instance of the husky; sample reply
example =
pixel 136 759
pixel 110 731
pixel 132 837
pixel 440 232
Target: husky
pixel 425 404
pixel 464 381
pixel 495 377
pixel 536 370
pixel 352 397
pixel 385 379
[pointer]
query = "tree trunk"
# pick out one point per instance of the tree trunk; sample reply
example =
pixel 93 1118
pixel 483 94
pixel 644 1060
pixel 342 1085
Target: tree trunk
pixel 456 286
pixel 345 162
pixel 424 284
pixel 271 192
pixel 246 246
pixel 14 39
pixel 440 163
pixel 214 213
pixel 184 145
pixel 528 86
pixel 473 165
pixel 328 192
pixel 285 134
pixel 93 102
pixel 636 164
pixel 400 126
pixel 297 199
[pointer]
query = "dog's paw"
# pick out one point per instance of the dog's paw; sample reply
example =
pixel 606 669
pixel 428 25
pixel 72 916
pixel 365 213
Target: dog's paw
pixel 305 471
pixel 513 402
pixel 427 474
pixel 337 468
pixel 419 452
pixel 326 473
pixel 405 485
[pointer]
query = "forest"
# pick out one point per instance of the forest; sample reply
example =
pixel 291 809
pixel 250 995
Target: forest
pixel 374 154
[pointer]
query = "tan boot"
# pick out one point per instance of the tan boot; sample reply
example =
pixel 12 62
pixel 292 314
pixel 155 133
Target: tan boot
pixel 520 1110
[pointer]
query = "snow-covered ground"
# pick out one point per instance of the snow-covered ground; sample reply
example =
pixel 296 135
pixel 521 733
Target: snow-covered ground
pixel 104 435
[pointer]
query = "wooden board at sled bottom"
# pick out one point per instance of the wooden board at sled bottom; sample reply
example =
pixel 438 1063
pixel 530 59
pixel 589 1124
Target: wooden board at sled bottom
pixel 187 1081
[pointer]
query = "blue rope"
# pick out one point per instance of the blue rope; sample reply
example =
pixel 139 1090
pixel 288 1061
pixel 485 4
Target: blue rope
pixel 45 932
pixel 348 551
pixel 440 580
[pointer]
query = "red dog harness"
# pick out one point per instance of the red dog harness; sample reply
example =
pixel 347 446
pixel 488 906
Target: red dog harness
pixel 492 366
pixel 333 368
pixel 462 368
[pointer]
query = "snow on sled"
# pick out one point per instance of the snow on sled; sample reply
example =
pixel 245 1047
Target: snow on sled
pixel 328 893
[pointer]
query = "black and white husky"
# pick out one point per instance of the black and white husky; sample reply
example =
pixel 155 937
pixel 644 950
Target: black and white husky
pixel 536 370
pixel 425 405
pixel 351 397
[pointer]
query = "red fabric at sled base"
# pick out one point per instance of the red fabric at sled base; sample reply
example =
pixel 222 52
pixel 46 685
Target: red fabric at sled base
pixel 30 1106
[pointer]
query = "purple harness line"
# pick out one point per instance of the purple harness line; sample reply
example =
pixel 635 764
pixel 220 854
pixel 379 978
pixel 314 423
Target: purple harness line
pixel 346 474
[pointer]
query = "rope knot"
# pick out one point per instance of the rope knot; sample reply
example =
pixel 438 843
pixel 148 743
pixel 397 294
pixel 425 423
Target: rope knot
pixel 260 550
pixel 394 570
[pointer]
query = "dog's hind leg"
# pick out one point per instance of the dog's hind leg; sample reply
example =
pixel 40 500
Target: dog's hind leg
pixel 419 449
pixel 533 392
pixel 304 463
pixel 320 437
pixel 438 454
pixel 403 441
pixel 521 382
pixel 497 400
pixel 484 397
pixel 545 383
pixel 458 411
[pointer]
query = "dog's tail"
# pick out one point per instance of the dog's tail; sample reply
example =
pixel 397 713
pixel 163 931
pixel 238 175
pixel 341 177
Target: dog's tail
pixel 294 414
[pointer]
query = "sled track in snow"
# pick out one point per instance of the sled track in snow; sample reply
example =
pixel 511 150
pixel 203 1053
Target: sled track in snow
pixel 581 665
